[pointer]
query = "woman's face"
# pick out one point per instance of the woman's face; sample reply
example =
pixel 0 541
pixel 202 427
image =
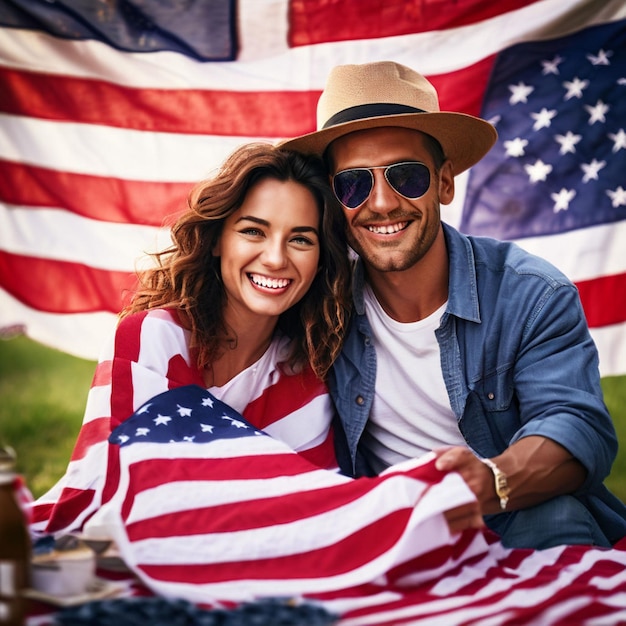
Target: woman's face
pixel 269 249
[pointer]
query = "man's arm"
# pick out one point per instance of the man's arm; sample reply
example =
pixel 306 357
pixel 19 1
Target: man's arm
pixel 536 470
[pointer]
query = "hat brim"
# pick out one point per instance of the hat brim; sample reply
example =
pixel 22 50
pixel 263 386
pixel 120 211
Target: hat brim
pixel 465 139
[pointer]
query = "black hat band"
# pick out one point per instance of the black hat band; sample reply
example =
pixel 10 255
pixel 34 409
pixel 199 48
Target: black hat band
pixel 363 111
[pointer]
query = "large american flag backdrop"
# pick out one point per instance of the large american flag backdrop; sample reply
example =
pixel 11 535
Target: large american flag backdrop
pixel 109 111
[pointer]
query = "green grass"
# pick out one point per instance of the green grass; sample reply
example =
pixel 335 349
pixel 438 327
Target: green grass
pixel 44 392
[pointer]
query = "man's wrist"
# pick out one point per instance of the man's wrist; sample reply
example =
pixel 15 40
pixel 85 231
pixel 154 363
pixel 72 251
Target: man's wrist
pixel 500 481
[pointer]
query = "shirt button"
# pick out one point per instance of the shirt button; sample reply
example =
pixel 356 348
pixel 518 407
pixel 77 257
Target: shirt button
pixel 490 396
pixel 360 400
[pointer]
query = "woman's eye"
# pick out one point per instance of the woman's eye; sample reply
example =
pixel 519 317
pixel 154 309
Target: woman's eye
pixel 254 232
pixel 303 241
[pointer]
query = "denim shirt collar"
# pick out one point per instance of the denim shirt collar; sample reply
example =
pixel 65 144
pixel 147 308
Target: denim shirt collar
pixel 462 286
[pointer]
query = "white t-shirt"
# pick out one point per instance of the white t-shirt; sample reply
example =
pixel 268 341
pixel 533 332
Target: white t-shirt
pixel 411 413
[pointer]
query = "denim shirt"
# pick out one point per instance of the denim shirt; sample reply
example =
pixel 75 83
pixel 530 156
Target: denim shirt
pixel 517 360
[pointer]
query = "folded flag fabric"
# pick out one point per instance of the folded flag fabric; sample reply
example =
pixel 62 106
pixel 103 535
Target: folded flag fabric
pixel 214 511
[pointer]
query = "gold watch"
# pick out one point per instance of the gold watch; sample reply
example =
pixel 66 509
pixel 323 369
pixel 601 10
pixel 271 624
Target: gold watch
pixel 502 485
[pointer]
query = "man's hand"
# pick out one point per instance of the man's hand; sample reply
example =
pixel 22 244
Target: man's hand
pixel 475 473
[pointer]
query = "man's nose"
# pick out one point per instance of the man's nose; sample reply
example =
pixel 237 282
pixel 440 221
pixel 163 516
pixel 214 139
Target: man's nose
pixel 383 198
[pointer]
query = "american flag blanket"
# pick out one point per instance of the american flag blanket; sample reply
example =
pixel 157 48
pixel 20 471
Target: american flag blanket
pixel 210 509
pixel 148 354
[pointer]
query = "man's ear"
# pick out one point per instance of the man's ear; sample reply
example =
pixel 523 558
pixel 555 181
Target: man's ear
pixel 446 182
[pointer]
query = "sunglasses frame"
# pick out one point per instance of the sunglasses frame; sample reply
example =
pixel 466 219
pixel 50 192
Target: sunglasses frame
pixel 371 173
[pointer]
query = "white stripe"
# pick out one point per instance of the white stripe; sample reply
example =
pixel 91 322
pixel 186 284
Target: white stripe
pixel 305 428
pixel 585 253
pixel 611 344
pixel 79 334
pixel 113 152
pixel 268 64
pixel 64 236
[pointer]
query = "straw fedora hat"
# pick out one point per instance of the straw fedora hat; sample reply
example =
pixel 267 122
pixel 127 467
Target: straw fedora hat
pixel 372 95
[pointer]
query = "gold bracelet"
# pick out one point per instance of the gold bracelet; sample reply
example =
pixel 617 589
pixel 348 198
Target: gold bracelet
pixel 502 486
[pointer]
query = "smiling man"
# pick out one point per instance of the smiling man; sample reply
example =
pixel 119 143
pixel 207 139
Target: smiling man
pixel 467 346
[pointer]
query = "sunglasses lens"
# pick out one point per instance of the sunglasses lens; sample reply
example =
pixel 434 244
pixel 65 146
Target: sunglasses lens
pixel 352 187
pixel 410 180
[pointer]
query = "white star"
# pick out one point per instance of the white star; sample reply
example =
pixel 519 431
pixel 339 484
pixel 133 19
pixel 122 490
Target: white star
pixel 235 423
pixel 142 432
pixel 144 409
pixel 123 438
pixel 538 171
pixel 597 112
pixel 543 119
pixel 621 81
pixel 189 438
pixel 183 411
pixel 207 428
pixel 552 67
pixel 568 142
pixel 515 148
pixel 161 419
pixel 591 170
pixel 618 139
pixel 207 402
pixel 520 93
pixel 575 88
pixel 618 196
pixel 562 199
pixel 602 58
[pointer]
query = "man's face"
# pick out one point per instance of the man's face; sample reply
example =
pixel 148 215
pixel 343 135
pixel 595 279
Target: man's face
pixel 391 232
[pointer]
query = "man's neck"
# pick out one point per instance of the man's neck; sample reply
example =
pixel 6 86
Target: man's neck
pixel 413 294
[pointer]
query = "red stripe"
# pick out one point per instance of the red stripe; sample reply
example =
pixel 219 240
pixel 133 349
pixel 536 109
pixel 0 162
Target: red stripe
pixel 246 514
pixel 604 300
pixel 264 114
pixel 322 455
pixel 95 431
pixel 63 287
pixel 463 91
pixel 287 395
pixel 102 375
pixel 127 349
pixel 68 507
pixel 149 473
pixel 185 111
pixel 106 199
pixel 341 557
pixel 313 22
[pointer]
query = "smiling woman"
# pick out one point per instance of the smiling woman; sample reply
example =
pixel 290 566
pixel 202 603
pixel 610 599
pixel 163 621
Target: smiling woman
pixel 251 302
pixel 268 257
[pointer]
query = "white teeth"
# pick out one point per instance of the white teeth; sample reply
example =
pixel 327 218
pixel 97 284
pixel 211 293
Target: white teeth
pixel 388 229
pixel 269 283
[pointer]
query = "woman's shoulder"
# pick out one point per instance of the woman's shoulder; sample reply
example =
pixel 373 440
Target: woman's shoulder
pixel 165 317
pixel 151 324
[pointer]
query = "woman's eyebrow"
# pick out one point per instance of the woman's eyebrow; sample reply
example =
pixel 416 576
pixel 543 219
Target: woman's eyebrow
pixel 262 222
pixel 256 220
pixel 304 229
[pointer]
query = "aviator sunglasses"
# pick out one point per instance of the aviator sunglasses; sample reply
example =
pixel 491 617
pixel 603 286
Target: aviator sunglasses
pixel 411 179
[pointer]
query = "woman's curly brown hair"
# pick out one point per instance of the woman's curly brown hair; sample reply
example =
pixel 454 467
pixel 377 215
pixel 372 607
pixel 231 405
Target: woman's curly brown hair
pixel 187 275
